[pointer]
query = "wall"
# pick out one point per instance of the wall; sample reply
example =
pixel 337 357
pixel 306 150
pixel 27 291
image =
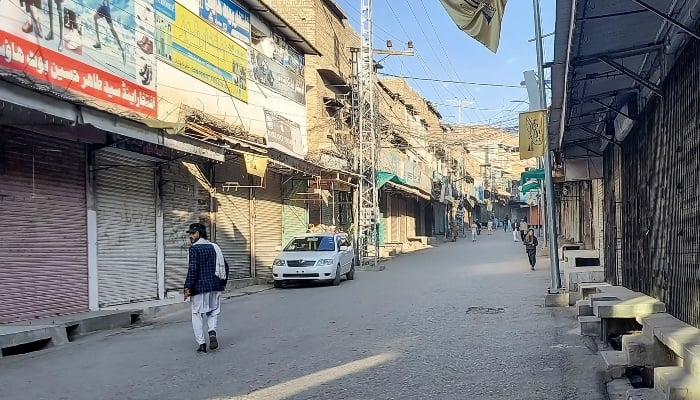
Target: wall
pixel 332 35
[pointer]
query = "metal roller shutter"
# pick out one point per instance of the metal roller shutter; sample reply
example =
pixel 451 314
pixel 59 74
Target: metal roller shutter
pixel 43 262
pixel 394 219
pixel 268 224
pixel 411 213
pixel 295 216
pixel 126 228
pixel 402 219
pixel 185 194
pixel 233 221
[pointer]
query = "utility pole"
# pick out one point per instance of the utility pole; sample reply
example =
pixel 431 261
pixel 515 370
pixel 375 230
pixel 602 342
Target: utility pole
pixel 365 117
pixel 549 183
pixel 461 104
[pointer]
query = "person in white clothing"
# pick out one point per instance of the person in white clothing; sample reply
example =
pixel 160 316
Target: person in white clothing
pixel 207 276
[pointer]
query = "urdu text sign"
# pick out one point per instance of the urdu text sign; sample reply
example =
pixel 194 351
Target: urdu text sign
pixel 195 47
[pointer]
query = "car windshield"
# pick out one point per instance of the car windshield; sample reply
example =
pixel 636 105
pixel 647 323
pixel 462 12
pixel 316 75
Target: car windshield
pixel 311 243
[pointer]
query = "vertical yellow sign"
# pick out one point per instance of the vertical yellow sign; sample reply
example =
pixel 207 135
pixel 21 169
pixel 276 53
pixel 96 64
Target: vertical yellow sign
pixel 532 130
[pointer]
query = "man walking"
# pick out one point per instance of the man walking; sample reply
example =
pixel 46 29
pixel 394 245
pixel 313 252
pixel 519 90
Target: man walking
pixel 207 276
pixel 523 229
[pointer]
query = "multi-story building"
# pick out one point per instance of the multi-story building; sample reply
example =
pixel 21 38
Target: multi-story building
pixel 141 135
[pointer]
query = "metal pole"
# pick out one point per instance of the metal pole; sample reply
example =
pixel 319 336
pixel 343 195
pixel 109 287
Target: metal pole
pixel 549 184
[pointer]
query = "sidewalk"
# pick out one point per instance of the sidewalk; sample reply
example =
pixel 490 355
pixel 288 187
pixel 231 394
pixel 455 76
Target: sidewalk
pixel 27 336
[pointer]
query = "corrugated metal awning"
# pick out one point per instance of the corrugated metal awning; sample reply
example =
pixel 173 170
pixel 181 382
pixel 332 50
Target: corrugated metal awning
pixel 610 57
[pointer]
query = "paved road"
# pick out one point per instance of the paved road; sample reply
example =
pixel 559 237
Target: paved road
pixel 414 331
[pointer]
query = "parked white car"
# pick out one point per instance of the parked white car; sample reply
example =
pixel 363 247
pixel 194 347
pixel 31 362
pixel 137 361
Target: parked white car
pixel 315 257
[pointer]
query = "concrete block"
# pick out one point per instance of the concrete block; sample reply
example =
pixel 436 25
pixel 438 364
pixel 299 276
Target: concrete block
pixel 573 298
pixel 644 394
pixel 615 363
pixel 556 299
pixel 675 384
pixel 630 308
pixel 589 326
pixel 588 288
pixel 617 389
pixel 584 309
pixel 15 335
pixel 575 276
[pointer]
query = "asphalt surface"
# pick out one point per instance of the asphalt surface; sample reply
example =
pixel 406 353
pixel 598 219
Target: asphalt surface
pixel 460 321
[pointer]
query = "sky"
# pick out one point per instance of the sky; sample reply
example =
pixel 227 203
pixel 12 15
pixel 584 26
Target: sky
pixel 444 52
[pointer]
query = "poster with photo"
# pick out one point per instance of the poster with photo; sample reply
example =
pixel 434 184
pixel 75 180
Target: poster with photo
pixel 99 51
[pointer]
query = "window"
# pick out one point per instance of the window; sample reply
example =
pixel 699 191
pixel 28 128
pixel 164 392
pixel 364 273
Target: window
pixel 311 243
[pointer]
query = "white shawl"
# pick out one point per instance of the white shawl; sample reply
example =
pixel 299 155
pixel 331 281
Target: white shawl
pixel 220 263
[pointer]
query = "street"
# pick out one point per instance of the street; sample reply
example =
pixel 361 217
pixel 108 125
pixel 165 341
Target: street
pixel 460 321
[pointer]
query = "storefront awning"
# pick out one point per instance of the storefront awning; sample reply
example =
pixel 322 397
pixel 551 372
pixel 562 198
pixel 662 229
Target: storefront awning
pixel 384 177
pixel 409 190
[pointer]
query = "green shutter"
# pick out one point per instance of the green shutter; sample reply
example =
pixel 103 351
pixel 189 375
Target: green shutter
pixel 295 214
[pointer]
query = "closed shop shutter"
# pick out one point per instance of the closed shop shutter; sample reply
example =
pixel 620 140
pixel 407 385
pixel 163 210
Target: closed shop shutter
pixel 295 216
pixel 184 190
pixel 43 261
pixel 233 221
pixel 268 224
pixel 411 212
pixel 126 228
pixel 439 215
pixel 394 222
pixel 402 219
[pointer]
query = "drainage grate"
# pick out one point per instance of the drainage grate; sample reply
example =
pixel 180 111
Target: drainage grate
pixel 485 310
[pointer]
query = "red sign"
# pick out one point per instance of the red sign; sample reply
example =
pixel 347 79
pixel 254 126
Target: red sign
pixel 64 72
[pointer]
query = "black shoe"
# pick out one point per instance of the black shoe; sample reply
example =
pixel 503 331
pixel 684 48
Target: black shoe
pixel 213 343
pixel 532 268
pixel 202 348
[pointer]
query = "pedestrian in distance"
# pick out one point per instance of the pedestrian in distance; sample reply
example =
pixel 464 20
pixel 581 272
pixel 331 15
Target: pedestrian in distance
pixel 207 276
pixel 531 243
pixel 474 231
pixel 454 230
pixel 506 225
pixel 489 226
pixel 523 229
pixel 516 232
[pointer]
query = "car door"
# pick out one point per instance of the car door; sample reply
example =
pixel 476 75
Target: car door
pixel 346 254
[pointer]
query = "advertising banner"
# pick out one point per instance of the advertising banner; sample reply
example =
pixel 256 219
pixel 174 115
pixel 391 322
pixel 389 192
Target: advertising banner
pixel 273 75
pixel 228 17
pixel 200 50
pixel 97 51
pixel 284 135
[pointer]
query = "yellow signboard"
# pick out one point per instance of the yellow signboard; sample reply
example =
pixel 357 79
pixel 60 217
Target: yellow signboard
pixel 532 130
pixel 197 48
pixel 255 165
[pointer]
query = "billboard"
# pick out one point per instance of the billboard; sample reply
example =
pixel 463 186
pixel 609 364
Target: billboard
pixel 97 51
pixel 193 46
pixel 275 76
pixel 284 135
pixel 228 17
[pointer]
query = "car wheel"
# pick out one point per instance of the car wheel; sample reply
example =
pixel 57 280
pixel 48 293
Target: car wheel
pixel 336 281
pixel 279 284
pixel 351 274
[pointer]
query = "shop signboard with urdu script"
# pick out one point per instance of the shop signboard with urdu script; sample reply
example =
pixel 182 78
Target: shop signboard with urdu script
pixel 100 52
pixel 195 47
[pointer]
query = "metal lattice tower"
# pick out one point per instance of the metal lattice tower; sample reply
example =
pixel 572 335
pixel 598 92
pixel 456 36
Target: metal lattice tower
pixel 367 138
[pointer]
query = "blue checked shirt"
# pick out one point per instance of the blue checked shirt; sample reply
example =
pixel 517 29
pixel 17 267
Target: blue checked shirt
pixel 201 276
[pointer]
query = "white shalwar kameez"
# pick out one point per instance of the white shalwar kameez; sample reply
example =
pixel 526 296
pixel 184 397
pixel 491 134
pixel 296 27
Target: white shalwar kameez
pixel 208 304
